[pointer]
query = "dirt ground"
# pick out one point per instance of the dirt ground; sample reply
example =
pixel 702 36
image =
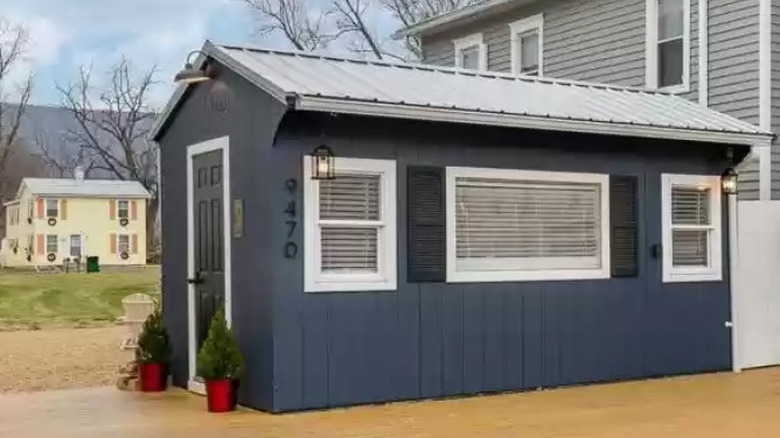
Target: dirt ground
pixel 60 358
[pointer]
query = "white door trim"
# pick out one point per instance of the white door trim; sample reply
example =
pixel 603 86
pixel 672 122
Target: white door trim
pixel 223 144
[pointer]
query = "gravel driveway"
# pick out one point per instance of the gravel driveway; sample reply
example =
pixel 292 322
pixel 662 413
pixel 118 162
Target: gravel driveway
pixel 60 358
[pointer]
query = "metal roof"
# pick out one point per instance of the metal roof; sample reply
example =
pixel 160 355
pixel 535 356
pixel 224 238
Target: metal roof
pixel 93 188
pixel 424 92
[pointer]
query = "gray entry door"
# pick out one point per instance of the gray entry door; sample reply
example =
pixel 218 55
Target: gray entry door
pixel 209 237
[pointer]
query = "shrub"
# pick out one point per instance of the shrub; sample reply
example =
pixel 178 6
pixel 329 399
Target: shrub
pixel 153 342
pixel 219 357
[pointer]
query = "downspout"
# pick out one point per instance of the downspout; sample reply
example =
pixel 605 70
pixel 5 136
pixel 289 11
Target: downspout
pixel 736 350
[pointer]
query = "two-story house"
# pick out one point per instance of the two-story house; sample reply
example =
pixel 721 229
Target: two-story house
pixel 53 220
pixel 722 54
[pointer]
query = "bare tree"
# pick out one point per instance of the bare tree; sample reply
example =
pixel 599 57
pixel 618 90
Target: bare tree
pixel 351 20
pixel 313 30
pixel 411 12
pixel 112 127
pixel 305 31
pixel 13 39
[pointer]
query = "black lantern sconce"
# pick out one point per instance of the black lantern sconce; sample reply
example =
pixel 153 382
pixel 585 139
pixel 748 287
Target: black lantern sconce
pixel 323 163
pixel 728 181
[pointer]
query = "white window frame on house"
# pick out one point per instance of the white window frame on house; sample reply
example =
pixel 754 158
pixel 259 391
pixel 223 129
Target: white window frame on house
pixel 502 271
pixel 712 272
pixel 468 42
pixel 652 53
pixel 519 28
pixel 120 210
pixel 80 245
pixel 56 208
pixel 119 243
pixel 386 277
pixel 56 243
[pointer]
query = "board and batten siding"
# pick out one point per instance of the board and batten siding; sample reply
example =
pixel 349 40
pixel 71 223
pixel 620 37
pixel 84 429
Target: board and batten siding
pixel 596 41
pixel 733 71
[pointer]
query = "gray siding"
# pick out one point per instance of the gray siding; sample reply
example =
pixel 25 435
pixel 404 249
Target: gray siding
pixel 227 105
pixel 589 40
pixel 427 340
pixel 733 71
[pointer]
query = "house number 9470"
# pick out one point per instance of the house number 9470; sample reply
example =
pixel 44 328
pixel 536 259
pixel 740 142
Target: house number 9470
pixel 291 219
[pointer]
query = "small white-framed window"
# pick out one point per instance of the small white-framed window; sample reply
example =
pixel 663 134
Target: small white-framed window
pixel 470 52
pixel 123 243
pixel 527 44
pixel 691 228
pixel 52 244
pixel 123 209
pixel 350 227
pixel 518 225
pixel 52 208
pixel 668 45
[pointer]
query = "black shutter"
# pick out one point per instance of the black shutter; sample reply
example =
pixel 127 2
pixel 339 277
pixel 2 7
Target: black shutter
pixel 624 224
pixel 426 224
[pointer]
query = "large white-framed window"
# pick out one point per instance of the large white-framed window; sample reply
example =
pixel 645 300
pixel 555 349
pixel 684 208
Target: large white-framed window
pixel 527 43
pixel 668 45
pixel 123 209
pixel 470 52
pixel 123 243
pixel 350 227
pixel 76 246
pixel 691 228
pixel 516 225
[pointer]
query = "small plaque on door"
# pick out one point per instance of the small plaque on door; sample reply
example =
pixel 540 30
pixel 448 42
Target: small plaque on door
pixel 238 218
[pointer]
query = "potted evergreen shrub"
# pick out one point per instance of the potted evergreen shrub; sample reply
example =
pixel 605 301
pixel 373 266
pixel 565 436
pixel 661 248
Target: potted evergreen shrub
pixel 220 364
pixel 152 353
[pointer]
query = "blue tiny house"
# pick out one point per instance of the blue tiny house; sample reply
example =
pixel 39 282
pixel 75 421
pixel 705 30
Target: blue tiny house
pixel 483 232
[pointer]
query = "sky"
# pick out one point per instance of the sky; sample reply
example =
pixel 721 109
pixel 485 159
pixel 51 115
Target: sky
pixel 65 34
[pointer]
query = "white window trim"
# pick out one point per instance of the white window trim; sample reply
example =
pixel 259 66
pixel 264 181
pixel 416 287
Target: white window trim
pixel 651 48
pixel 129 243
pixel 455 276
pixel 56 242
pixel 387 276
pixel 534 22
pixel 118 202
pixel 691 274
pixel 46 207
pixel 81 244
pixel 470 41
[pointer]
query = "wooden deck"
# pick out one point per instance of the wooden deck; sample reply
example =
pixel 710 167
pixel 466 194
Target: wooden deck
pixel 715 405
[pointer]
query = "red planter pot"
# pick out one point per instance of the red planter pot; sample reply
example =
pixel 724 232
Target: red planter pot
pixel 220 395
pixel 153 377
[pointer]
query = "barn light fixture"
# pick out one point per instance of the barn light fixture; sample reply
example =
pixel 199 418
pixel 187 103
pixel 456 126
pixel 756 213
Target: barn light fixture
pixel 728 180
pixel 191 75
pixel 323 163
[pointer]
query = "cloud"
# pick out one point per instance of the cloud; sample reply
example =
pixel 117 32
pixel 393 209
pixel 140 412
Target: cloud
pixel 67 34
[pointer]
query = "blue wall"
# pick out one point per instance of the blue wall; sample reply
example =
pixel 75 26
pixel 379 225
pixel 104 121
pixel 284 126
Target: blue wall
pixel 433 340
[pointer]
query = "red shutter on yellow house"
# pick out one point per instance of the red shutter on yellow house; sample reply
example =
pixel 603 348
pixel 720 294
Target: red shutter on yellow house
pixel 64 209
pixel 112 242
pixel 134 210
pixel 111 209
pixel 40 206
pixel 40 248
pixel 134 244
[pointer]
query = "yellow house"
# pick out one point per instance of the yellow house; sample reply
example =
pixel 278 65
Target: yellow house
pixel 56 220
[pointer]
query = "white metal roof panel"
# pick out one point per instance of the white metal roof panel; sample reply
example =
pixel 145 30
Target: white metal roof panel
pixel 325 83
pixel 87 188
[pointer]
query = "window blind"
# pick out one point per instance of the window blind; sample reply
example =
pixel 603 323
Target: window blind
pixel 349 223
pixel 527 224
pixel 690 226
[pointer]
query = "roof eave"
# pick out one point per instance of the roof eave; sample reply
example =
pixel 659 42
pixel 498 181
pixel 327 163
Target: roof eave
pixel 447 18
pixel 412 112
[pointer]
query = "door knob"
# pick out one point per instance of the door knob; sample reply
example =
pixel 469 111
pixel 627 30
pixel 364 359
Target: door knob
pixel 655 250
pixel 195 280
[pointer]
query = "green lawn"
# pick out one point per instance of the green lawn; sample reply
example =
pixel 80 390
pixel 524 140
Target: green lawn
pixel 37 300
